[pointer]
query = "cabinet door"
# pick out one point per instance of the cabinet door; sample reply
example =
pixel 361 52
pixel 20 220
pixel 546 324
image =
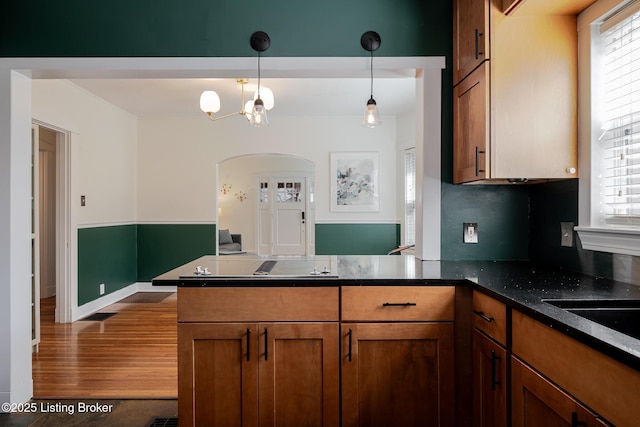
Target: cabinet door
pixel 397 374
pixel 299 374
pixel 489 382
pixel 218 374
pixel 471 127
pixel 538 402
pixel 470 36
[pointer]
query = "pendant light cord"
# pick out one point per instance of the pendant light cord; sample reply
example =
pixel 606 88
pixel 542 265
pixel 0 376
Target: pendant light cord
pixel 258 74
pixel 371 72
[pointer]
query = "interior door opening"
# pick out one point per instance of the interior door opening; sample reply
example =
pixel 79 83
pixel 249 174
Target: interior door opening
pixel 268 199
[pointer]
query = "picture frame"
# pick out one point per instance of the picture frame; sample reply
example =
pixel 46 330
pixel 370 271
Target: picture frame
pixel 354 182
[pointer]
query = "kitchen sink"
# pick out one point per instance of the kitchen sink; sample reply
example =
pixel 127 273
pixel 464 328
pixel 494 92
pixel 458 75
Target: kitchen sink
pixel 620 315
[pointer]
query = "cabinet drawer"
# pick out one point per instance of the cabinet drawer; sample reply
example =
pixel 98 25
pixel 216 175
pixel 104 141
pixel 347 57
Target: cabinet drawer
pixel 490 316
pixel 257 304
pixel 607 386
pixel 398 303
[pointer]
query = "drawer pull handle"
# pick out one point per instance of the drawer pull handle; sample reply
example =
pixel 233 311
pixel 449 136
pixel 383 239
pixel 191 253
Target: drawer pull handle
pixel 494 359
pixel 350 343
pixel 248 344
pixel 266 344
pixel 399 304
pixel 575 422
pixel 484 316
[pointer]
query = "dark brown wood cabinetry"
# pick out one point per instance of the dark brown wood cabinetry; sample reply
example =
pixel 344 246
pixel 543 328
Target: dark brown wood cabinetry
pixel 490 382
pixel 397 374
pixel 490 362
pixel 471 127
pixel 518 103
pixel 237 372
pixel 271 356
pixel 538 402
pixel 471 36
pixel 399 370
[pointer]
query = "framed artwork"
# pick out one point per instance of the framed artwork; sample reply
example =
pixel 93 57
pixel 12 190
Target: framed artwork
pixel 354 182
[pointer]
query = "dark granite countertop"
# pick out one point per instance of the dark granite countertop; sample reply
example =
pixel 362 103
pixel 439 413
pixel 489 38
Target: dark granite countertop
pixel 521 285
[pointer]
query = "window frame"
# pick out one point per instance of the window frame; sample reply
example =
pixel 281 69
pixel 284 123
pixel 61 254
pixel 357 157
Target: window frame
pixel 409 239
pixel 595 235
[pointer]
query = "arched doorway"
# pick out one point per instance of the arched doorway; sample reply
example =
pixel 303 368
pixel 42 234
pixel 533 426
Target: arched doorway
pixel 269 200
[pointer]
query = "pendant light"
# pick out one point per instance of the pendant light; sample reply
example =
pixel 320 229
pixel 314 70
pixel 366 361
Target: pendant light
pixel 370 42
pixel 259 42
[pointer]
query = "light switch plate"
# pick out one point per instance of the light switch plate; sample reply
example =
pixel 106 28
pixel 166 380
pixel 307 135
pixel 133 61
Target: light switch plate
pixel 470 232
pixel 567 234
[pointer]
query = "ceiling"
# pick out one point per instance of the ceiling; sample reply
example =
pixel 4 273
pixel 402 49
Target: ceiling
pixel 179 97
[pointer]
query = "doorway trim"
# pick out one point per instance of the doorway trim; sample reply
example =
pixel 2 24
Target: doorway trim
pixel 65 223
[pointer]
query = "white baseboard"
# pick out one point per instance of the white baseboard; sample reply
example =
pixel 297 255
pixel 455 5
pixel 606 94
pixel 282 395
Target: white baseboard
pixel 106 300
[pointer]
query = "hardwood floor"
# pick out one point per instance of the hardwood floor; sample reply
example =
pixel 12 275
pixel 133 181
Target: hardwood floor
pixel 132 355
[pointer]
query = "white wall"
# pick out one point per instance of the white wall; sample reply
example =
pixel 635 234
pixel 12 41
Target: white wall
pixel 177 158
pixel 106 141
pixel 15 242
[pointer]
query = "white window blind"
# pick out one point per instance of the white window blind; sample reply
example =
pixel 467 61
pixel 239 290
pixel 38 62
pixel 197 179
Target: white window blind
pixel 410 197
pixel 621 111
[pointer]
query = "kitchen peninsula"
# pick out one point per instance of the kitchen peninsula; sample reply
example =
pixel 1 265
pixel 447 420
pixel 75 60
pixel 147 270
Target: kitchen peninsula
pixel 392 340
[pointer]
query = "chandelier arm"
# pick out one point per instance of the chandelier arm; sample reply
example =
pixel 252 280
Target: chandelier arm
pixel 215 119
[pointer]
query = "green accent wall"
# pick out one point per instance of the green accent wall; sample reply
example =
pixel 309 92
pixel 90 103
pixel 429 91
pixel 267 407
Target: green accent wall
pixel 356 239
pixel 41 28
pixel 162 247
pixel 105 255
pixel 502 214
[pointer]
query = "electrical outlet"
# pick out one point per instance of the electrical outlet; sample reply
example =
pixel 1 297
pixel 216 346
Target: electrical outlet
pixel 566 228
pixel 101 288
pixel 470 232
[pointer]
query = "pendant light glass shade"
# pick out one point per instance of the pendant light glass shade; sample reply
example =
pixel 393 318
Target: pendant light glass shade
pixel 209 102
pixel 248 108
pixel 259 114
pixel 371 116
pixel 266 95
pixel 370 41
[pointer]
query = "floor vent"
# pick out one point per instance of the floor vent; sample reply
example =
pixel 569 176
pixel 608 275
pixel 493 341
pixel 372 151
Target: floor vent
pixel 99 316
pixel 164 422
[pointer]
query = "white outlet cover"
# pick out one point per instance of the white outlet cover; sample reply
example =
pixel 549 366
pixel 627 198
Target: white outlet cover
pixel 470 232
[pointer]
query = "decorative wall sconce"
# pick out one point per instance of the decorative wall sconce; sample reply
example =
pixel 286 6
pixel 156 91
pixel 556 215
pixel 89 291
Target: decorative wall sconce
pixel 370 41
pixel 225 189
pixel 241 195
pixel 255 111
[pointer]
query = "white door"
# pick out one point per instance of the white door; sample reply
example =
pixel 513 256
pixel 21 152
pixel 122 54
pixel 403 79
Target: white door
pixel 289 229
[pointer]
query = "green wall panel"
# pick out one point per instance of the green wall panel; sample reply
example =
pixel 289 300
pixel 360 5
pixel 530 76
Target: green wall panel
pixel 222 27
pixel 356 239
pixel 502 214
pixel 105 255
pixel 162 247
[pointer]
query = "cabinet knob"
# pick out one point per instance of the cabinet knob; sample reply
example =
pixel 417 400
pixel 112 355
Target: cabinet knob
pixel 571 170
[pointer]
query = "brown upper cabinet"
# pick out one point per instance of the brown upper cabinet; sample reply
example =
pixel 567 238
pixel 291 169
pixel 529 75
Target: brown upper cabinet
pixel 471 36
pixel 515 112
